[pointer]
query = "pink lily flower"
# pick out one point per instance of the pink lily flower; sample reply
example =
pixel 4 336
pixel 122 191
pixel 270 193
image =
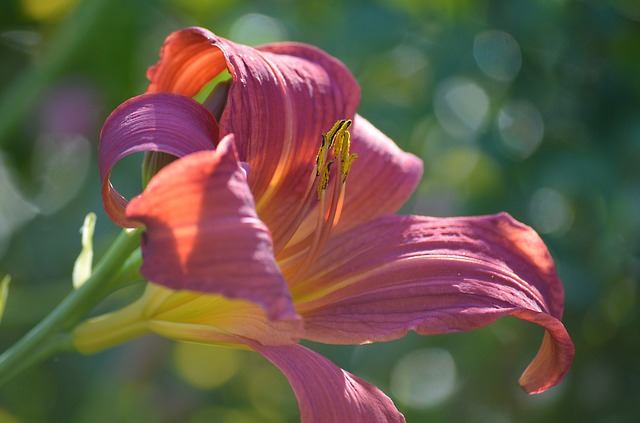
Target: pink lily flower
pixel 263 232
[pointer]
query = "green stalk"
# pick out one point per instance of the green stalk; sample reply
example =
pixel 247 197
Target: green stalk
pixel 49 337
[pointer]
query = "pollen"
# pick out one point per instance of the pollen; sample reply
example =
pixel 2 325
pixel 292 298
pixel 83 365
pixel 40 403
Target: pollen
pixel 337 142
pixel 333 156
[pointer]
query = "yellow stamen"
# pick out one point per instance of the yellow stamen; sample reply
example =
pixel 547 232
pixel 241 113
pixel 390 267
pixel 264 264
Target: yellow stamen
pixel 336 142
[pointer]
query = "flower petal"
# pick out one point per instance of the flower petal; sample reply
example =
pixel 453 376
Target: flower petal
pixel 187 63
pixel 303 92
pixel 327 393
pixel 431 275
pixel 164 122
pixel 283 97
pixel 382 178
pixel 554 357
pixel 203 233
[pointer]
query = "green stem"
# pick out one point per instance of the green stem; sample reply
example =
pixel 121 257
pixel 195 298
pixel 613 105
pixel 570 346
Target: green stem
pixel 129 273
pixel 47 337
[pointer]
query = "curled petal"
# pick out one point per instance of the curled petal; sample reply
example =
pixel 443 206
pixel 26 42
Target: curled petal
pixel 283 97
pixel 203 233
pixel 188 61
pixel 327 393
pixel 151 122
pixel 554 357
pixel 400 273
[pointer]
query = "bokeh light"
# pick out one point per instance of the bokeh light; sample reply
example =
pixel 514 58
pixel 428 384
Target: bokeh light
pixel 255 29
pixel 6 417
pixel 424 378
pixel 205 366
pixel 47 9
pixel 551 211
pixel 521 128
pixel 270 393
pixel 462 107
pixel 497 54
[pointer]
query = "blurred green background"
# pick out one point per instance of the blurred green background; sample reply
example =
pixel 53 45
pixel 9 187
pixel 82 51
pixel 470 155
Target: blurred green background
pixel 526 106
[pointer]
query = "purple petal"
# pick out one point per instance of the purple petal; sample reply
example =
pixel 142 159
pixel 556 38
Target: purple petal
pixel 203 233
pixel 382 178
pixel 327 393
pixel 292 93
pixel 151 122
pixel 401 273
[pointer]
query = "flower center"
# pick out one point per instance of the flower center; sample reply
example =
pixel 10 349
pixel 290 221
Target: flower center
pixel 334 152
pixel 338 141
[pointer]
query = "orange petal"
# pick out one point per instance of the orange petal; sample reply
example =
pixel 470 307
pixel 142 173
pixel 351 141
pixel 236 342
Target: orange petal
pixel 188 61
pixel 203 233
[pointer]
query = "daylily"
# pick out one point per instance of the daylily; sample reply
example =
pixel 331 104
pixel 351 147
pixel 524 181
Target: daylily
pixel 264 232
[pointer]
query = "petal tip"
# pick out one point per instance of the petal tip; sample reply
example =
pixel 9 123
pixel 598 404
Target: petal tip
pixel 550 366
